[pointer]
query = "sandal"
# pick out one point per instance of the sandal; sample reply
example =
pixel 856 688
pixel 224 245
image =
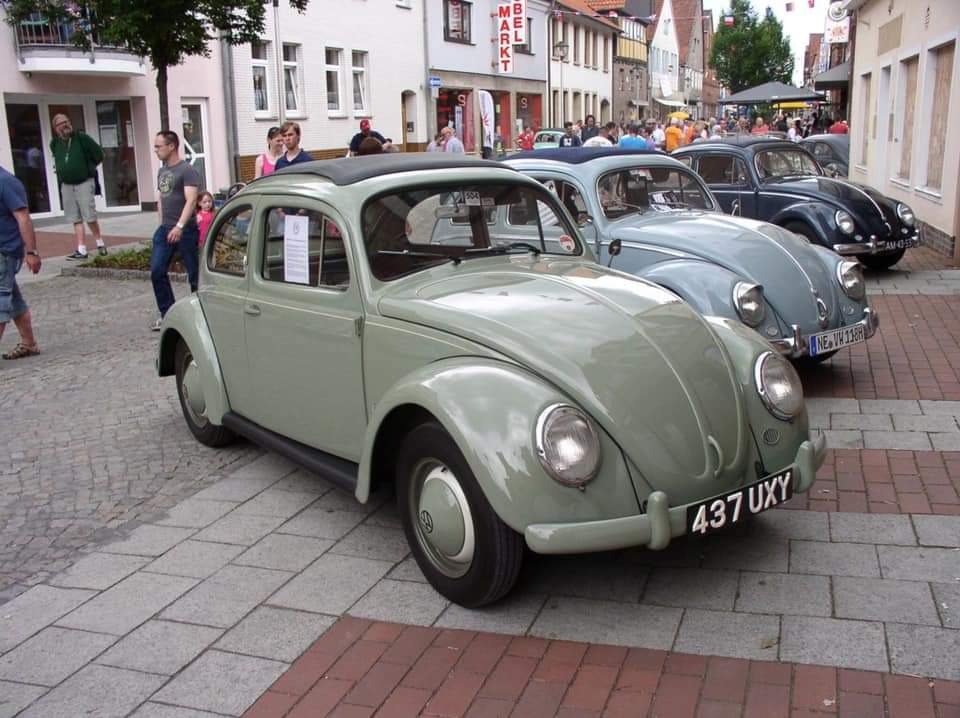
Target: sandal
pixel 22 350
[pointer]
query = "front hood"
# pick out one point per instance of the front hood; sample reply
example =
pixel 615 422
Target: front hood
pixel 866 204
pixel 634 356
pixel 787 267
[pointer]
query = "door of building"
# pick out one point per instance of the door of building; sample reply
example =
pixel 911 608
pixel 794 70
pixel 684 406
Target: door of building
pixel 119 168
pixel 29 150
pixel 195 139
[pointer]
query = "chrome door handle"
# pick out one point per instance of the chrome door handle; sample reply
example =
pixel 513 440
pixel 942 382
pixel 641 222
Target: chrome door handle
pixel 252 309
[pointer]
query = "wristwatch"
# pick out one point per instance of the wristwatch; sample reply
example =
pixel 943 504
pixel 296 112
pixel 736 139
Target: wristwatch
pixel 179 225
pixel 33 253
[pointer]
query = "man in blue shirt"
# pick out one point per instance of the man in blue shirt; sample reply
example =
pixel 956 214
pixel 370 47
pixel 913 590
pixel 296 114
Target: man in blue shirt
pixel 569 139
pixel 16 235
pixel 294 154
pixel 631 141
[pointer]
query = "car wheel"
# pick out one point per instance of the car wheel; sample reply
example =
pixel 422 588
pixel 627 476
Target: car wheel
pixel 881 261
pixel 804 230
pixel 463 548
pixel 193 403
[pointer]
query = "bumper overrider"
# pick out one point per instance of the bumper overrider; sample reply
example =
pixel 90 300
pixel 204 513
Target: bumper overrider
pixel 906 239
pixel 798 345
pixel 661 522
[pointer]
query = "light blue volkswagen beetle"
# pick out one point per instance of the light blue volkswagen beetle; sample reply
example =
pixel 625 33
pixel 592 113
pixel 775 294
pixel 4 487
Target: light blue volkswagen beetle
pixel 648 214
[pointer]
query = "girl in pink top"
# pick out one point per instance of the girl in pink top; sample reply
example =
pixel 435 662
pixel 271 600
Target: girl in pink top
pixel 267 162
pixel 205 214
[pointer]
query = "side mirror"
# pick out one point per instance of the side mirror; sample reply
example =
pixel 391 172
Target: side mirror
pixel 613 249
pixel 584 219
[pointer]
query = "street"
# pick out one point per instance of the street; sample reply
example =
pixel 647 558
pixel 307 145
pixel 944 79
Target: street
pixel 183 576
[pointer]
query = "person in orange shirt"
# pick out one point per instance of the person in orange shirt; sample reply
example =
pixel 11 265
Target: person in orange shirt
pixel 674 136
pixel 688 132
pixel 760 128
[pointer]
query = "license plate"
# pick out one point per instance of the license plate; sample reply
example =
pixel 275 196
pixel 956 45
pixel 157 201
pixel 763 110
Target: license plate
pixel 900 243
pixel 837 339
pixel 713 514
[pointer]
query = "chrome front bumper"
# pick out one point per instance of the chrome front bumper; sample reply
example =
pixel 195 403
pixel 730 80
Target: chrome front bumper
pixel 910 239
pixel 661 522
pixel 798 345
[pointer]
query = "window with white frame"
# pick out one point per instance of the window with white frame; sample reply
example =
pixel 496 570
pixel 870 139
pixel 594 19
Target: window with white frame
pixel 261 86
pixel 359 82
pixel 291 77
pixel 332 57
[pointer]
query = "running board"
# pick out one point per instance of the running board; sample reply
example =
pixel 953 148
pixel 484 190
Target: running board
pixel 337 471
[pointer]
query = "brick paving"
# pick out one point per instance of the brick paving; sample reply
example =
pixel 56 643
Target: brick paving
pixel 93 438
pixel 363 668
pixel 60 244
pixel 914 355
pixel 887 482
pixel 920 259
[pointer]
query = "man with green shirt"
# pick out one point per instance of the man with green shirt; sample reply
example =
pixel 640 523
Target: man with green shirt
pixel 76 156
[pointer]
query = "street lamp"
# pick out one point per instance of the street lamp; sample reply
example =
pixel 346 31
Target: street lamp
pixel 560 50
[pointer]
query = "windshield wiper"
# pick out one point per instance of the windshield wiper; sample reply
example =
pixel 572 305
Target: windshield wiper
pixel 408 253
pixel 504 249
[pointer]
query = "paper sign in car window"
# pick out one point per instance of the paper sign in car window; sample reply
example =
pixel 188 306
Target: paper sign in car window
pixel 471 199
pixel 296 255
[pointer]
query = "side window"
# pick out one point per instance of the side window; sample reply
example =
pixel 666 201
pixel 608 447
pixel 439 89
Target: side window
pixel 686 159
pixel 716 169
pixel 568 195
pixel 821 150
pixel 740 175
pixel 302 246
pixel 228 251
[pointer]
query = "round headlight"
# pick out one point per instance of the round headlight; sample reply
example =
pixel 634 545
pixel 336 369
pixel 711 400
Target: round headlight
pixel 778 385
pixel 568 445
pixel 850 276
pixel 748 301
pixel 905 214
pixel 845 222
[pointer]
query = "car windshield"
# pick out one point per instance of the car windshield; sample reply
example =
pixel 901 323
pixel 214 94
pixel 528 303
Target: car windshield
pixel 547 137
pixel 633 190
pixel 774 164
pixel 414 229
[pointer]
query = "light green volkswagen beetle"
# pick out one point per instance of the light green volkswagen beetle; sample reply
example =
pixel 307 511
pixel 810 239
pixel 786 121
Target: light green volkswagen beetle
pixel 437 323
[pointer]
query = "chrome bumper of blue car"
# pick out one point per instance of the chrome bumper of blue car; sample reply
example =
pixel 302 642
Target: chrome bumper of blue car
pixel 661 522
pixel 798 345
pixel 907 240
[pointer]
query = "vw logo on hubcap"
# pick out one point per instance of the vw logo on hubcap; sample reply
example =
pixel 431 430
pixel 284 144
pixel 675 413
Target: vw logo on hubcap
pixel 426 520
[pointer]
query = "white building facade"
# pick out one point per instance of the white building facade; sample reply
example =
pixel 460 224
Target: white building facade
pixel 462 52
pixel 664 62
pixel 329 68
pixel 905 104
pixel 581 64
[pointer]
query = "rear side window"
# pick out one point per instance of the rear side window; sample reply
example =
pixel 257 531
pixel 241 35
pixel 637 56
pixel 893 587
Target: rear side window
pixel 303 246
pixel 228 253
pixel 716 169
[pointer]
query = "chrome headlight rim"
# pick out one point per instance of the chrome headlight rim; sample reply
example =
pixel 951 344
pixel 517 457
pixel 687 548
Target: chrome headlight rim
pixel 762 391
pixel 843 268
pixel 740 292
pixel 845 222
pixel 547 416
pixel 905 214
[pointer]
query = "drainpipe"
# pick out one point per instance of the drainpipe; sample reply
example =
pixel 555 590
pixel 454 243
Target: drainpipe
pixel 427 90
pixel 233 144
pixel 278 54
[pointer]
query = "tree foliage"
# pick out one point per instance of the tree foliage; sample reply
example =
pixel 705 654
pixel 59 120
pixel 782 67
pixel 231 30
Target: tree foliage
pixel 751 51
pixel 166 32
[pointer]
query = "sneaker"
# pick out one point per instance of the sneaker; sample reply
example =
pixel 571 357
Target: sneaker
pixel 157 324
pixel 78 255
pixel 102 251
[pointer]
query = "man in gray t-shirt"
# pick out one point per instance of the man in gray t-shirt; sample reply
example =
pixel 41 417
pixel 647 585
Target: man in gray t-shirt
pixel 177 187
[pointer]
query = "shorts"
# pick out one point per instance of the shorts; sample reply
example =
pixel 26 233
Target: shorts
pixel 11 301
pixel 79 204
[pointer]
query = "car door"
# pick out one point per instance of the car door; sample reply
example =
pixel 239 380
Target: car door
pixel 223 293
pixel 303 318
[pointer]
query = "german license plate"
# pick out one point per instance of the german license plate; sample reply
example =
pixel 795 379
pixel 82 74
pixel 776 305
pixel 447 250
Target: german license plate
pixel 837 339
pixel 900 243
pixel 713 514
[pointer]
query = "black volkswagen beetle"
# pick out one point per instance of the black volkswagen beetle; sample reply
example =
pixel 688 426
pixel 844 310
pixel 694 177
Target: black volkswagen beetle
pixel 780 182
pixel 832 152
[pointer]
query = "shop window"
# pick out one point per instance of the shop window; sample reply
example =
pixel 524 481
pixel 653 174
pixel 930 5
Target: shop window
pixel 261 85
pixel 456 20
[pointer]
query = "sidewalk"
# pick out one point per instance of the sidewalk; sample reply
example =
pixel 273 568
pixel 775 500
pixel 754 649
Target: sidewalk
pixel 207 607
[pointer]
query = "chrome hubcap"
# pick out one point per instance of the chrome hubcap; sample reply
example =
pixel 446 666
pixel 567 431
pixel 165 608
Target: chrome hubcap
pixel 192 390
pixel 441 518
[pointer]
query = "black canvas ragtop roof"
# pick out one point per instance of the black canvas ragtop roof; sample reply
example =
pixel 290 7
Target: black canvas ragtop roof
pixel 347 171
pixel 579 155
pixel 736 140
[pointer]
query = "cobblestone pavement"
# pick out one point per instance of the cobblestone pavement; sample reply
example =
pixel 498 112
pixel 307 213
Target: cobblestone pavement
pixel 91 437
pixel 922 259
pixel 221 600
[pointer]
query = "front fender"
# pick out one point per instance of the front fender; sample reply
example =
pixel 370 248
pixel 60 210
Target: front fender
pixel 490 409
pixel 186 321
pixel 816 215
